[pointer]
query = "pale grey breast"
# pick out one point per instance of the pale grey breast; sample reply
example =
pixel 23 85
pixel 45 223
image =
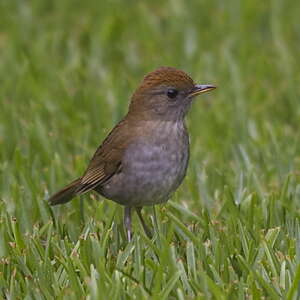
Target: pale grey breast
pixel 152 168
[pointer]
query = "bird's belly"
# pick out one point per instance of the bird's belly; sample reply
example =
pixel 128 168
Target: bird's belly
pixel 149 175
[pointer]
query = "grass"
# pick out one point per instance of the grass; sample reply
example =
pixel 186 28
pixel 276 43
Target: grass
pixel 232 230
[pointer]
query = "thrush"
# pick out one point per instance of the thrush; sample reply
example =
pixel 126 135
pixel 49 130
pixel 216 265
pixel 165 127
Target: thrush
pixel 144 159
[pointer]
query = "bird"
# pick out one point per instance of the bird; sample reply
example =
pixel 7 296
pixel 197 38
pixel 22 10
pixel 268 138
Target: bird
pixel 144 158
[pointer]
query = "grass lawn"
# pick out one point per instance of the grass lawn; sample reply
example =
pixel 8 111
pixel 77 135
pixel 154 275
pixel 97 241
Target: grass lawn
pixel 231 231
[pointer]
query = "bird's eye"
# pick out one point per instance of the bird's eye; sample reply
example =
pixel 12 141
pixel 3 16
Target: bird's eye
pixel 172 93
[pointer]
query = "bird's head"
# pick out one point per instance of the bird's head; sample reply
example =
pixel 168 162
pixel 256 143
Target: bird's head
pixel 165 93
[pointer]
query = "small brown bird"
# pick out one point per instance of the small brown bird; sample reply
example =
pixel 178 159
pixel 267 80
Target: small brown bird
pixel 145 157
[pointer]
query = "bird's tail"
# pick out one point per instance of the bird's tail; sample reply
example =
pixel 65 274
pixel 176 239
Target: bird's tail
pixel 66 194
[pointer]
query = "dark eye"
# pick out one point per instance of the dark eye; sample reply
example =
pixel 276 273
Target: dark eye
pixel 172 93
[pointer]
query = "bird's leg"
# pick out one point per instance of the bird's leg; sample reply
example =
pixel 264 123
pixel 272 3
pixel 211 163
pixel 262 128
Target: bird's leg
pixel 146 229
pixel 127 222
pixel 155 221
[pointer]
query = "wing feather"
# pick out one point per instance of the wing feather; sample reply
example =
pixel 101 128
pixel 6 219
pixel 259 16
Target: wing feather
pixel 107 160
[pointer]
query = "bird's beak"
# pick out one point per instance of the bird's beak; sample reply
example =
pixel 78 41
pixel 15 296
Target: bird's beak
pixel 201 88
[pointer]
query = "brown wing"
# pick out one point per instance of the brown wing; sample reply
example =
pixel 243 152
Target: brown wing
pixel 107 160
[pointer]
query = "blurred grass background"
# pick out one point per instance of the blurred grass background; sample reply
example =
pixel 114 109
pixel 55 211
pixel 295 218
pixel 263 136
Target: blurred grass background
pixel 67 70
